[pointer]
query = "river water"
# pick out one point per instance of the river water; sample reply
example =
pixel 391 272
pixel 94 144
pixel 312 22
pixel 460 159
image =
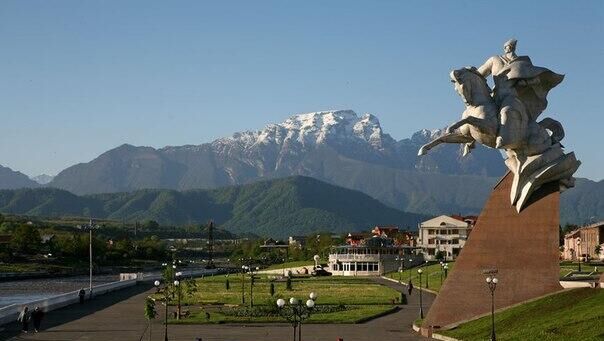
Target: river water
pixel 20 291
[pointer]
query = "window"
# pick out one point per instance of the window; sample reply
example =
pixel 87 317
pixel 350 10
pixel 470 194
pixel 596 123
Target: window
pixel 431 241
pixel 430 231
pixel 455 231
pixel 455 241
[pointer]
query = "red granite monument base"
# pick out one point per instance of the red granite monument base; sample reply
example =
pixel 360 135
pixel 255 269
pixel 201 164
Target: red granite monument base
pixel 522 247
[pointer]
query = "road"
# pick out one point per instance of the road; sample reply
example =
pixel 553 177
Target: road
pixel 119 316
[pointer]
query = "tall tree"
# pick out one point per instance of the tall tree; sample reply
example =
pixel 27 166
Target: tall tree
pixel 26 239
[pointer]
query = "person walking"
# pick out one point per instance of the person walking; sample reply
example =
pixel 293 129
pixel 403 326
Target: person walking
pixel 37 316
pixel 410 288
pixel 81 294
pixel 24 319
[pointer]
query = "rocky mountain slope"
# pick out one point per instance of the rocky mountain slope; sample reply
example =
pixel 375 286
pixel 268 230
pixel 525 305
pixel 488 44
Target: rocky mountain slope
pixel 10 179
pixel 339 147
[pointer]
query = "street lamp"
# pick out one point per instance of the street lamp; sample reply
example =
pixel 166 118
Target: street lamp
pixel 580 253
pixel 492 283
pixel 165 293
pixel 421 307
pixel 410 265
pixel 426 276
pixel 178 291
pixel 297 312
pixel 244 268
pixel 401 268
pixel 442 267
pixel 90 226
pixel 251 271
pixel 446 268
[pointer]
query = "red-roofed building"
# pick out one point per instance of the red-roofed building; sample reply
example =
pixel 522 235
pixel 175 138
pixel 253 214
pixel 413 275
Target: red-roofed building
pixel 387 231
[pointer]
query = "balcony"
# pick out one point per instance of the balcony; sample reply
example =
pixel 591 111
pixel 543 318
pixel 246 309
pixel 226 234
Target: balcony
pixel 354 257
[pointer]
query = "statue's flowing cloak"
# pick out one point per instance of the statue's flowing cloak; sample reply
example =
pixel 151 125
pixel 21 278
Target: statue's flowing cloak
pixel 534 95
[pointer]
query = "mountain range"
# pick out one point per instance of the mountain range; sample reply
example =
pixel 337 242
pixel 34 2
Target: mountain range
pixel 277 208
pixel 338 147
pixel 10 179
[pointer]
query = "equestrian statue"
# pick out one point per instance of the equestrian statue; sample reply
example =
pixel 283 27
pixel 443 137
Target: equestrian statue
pixel 506 118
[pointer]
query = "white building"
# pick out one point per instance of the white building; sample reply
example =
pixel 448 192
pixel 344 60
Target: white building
pixel 444 233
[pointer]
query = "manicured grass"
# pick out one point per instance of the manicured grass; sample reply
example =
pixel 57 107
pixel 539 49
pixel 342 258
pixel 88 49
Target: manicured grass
pixel 571 315
pixel 291 265
pixel 432 271
pixel 330 290
pixel 567 267
pixel 362 298
pixel 353 314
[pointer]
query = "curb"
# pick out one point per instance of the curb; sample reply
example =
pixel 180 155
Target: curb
pixel 434 335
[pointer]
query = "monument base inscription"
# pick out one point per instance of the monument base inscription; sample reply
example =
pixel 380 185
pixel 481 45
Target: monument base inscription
pixel 521 246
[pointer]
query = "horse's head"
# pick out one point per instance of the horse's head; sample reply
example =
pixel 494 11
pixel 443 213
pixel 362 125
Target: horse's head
pixel 470 85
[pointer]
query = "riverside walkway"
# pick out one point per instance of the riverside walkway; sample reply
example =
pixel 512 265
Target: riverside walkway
pixel 119 316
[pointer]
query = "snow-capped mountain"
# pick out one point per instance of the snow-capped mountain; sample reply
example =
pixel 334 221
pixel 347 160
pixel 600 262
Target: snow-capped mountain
pixel 42 179
pixel 338 146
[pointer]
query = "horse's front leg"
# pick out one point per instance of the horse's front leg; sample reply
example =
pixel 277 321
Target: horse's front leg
pixel 447 138
pixel 450 129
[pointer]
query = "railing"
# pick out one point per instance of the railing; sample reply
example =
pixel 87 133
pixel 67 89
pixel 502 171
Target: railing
pixel 9 313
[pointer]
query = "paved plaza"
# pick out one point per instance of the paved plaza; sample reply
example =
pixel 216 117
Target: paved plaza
pixel 119 316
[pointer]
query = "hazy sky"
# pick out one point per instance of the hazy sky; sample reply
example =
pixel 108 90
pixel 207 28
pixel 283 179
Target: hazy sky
pixel 80 77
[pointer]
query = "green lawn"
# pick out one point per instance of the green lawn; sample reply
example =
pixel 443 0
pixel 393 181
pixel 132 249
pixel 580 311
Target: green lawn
pixel 571 315
pixel 567 267
pixel 362 298
pixel 330 290
pixel 432 271
pixel 291 265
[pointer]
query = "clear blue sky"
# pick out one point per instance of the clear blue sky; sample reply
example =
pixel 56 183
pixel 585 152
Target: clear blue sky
pixel 80 77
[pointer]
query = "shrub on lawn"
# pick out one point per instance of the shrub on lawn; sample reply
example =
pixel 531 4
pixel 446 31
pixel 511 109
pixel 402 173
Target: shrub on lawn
pixel 227 285
pixel 288 284
pixel 272 289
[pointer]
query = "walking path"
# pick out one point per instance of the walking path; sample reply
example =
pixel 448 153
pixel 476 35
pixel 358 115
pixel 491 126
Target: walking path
pixel 119 316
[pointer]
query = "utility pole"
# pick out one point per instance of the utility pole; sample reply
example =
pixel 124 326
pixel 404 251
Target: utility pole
pixel 211 264
pixel 91 225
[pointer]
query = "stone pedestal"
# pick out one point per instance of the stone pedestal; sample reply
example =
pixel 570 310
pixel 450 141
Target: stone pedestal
pixel 523 247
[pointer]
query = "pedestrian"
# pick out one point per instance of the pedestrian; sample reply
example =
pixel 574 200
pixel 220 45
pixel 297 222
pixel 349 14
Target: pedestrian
pixel 37 316
pixel 81 294
pixel 24 319
pixel 410 288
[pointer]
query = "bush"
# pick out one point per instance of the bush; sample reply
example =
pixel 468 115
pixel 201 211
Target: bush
pixel 288 284
pixel 272 289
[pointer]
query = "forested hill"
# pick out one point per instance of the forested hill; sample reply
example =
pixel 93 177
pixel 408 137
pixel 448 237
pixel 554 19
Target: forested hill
pixel 277 208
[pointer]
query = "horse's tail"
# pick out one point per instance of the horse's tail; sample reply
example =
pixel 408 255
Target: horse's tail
pixel 554 127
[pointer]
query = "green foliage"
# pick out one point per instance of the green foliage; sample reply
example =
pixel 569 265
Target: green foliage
pixel 26 239
pixel 279 208
pixel 190 287
pixel 151 225
pixel 288 284
pixel 150 312
pixel 598 249
pixel 272 289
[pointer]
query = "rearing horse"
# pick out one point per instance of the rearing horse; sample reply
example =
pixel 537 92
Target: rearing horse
pixel 479 121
